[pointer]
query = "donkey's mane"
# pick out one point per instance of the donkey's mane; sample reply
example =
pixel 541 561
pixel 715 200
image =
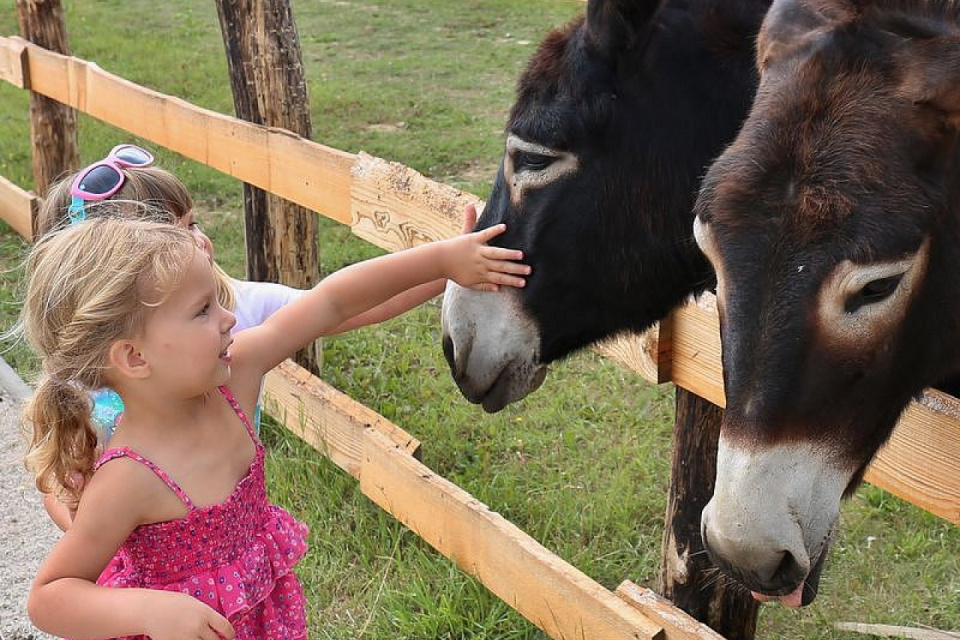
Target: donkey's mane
pixel 933 9
pixel 547 67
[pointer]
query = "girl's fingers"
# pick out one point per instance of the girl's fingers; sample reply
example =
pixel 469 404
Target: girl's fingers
pixel 515 268
pixel 469 218
pixel 499 253
pixel 222 627
pixel 490 233
pixel 500 277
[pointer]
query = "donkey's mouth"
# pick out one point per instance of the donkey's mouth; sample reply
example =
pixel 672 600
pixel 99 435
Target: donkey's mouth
pixel 805 592
pixel 513 383
pixel 793 600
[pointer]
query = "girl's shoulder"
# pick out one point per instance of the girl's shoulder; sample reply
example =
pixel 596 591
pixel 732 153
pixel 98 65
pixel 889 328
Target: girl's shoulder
pixel 128 484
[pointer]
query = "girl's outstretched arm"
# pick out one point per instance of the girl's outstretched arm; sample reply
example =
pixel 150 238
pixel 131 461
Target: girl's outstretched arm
pixel 408 299
pixel 65 600
pixel 353 290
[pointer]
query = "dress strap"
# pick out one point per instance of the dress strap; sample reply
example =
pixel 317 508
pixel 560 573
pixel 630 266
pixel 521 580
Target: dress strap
pixel 228 396
pixel 127 452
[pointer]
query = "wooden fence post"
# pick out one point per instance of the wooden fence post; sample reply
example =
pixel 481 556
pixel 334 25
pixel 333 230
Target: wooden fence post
pixel 688 577
pixel 269 88
pixel 53 126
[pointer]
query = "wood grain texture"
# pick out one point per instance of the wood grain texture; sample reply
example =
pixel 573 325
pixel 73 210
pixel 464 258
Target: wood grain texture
pixel 676 624
pixel 647 353
pixel 326 419
pixel 13 63
pixel 688 577
pixel 395 207
pixel 269 88
pixel 18 207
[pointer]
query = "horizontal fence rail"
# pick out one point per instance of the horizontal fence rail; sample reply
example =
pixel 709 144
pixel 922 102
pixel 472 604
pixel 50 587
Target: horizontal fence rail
pixel 18 207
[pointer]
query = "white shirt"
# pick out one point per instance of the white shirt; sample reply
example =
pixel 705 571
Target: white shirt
pixel 257 301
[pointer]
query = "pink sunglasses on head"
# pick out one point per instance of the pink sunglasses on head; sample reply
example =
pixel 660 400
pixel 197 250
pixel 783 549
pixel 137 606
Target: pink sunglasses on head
pixel 104 178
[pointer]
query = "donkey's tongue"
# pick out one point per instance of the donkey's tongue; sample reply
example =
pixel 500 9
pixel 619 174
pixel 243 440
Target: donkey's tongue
pixel 793 600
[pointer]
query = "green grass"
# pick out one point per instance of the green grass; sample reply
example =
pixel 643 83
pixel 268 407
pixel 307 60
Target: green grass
pixel 582 465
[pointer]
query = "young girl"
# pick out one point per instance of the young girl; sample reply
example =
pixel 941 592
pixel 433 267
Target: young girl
pixel 125 183
pixel 173 537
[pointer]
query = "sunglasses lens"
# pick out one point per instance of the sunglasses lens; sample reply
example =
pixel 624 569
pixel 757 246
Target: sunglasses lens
pixel 134 156
pixel 100 180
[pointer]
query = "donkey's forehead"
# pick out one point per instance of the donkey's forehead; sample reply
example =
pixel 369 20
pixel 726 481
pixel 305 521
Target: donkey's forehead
pixel 563 91
pixel 820 155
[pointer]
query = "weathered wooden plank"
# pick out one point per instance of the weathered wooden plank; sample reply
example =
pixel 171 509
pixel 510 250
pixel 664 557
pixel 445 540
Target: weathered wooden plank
pixel 896 631
pixel 395 207
pixel 676 624
pixel 270 88
pixel 328 420
pixel 18 207
pixel 549 592
pixel 13 62
pixel 918 463
pixel 647 353
pixel 695 331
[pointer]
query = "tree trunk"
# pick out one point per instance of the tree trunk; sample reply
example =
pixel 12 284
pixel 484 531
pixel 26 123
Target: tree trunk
pixel 53 126
pixel 269 88
pixel 688 577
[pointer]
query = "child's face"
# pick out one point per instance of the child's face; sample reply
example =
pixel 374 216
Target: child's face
pixel 186 339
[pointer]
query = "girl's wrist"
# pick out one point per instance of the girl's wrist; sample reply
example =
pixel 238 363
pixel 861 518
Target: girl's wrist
pixel 448 258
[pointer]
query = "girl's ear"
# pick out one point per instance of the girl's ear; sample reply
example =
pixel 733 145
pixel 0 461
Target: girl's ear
pixel 125 357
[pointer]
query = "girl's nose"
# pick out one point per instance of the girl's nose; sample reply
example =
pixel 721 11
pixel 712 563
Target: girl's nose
pixel 229 321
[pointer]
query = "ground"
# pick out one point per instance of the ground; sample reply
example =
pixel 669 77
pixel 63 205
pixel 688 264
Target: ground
pixel 26 531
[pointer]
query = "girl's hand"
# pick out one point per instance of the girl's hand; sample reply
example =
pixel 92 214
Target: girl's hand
pixel 480 267
pixel 178 616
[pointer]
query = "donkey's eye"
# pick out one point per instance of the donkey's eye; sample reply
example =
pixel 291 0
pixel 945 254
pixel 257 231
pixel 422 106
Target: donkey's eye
pixel 873 292
pixel 529 161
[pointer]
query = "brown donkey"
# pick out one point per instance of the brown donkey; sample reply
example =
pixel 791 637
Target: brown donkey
pixel 833 224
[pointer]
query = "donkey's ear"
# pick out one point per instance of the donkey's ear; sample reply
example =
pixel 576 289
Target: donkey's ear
pixel 932 75
pixel 614 26
pixel 790 25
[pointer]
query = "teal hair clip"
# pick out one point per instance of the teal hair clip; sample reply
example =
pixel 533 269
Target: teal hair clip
pixel 77 212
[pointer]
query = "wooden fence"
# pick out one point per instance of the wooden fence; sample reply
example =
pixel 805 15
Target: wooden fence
pixel 394 207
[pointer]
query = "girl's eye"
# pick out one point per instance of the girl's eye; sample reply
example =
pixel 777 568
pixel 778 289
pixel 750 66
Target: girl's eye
pixel 205 310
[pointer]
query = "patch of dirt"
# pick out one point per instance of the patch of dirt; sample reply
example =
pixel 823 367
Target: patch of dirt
pixel 386 127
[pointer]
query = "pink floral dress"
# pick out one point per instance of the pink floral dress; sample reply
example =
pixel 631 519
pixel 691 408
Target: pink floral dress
pixel 236 556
